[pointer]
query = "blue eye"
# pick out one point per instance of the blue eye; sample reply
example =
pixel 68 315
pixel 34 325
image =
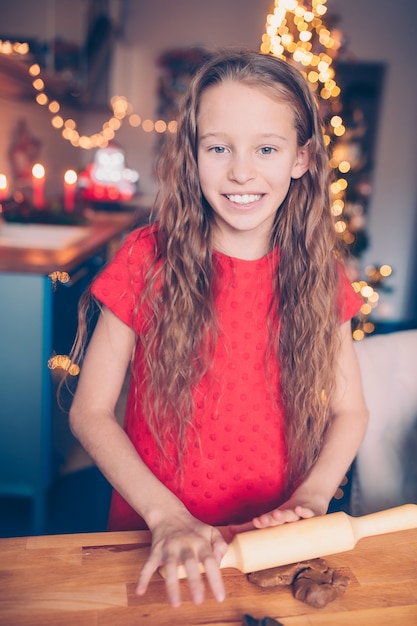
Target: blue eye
pixel 218 149
pixel 267 150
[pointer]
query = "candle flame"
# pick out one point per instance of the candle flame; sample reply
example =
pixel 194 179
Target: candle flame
pixel 70 177
pixel 38 171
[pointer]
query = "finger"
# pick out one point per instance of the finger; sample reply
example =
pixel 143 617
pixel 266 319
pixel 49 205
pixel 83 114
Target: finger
pixel 282 516
pixel 195 582
pixel 172 583
pixel 267 521
pixel 214 579
pixel 145 575
pixel 275 518
pixel 304 512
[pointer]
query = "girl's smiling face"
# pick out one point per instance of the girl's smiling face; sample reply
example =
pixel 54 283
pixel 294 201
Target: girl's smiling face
pixel 247 155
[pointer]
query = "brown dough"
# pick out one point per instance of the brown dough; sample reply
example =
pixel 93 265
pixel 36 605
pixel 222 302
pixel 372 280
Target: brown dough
pixel 313 581
pixel 319 588
pixel 285 574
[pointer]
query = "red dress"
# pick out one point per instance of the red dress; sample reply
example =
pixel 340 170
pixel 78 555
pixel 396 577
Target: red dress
pixel 235 469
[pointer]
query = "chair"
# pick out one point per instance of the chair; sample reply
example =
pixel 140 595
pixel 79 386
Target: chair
pixel 384 473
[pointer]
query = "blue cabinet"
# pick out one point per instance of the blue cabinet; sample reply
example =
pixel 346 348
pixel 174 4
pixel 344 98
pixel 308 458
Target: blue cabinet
pixel 25 389
pixel 38 319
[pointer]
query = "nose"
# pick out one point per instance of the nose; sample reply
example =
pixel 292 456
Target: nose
pixel 241 168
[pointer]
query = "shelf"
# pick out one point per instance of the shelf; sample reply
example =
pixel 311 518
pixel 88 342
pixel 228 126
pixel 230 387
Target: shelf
pixel 15 81
pixel 16 84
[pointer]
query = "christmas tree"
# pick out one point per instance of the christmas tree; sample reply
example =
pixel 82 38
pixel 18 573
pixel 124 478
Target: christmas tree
pixel 302 33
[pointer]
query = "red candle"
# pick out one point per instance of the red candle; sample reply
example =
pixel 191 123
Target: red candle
pixel 70 185
pixel 38 183
pixel 3 187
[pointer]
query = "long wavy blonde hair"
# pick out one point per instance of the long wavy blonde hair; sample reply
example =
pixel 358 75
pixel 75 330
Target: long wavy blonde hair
pixel 303 319
pixel 181 329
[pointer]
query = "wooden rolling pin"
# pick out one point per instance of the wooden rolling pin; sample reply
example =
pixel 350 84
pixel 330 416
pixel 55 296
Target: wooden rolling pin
pixel 310 538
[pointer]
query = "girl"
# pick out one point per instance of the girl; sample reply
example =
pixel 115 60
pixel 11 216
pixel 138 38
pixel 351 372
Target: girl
pixel 233 312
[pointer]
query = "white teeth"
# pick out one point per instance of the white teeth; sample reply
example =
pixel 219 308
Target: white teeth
pixel 245 199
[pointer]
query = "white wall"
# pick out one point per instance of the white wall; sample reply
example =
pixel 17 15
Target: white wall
pixel 153 27
pixel 376 30
pixel 44 19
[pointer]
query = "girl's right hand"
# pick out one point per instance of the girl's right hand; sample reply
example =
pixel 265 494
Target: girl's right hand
pixel 188 542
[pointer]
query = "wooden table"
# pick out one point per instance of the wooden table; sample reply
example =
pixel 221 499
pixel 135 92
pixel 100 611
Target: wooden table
pixel 89 580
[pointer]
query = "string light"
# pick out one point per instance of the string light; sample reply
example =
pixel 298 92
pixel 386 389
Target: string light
pixel 59 277
pixel 297 33
pixel 120 107
pixel 63 362
pixel 289 35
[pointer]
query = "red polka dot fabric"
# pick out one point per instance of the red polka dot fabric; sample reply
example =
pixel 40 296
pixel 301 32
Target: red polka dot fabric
pixel 234 467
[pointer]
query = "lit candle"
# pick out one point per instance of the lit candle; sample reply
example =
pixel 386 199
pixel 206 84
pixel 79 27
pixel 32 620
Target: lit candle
pixel 70 184
pixel 3 187
pixel 38 182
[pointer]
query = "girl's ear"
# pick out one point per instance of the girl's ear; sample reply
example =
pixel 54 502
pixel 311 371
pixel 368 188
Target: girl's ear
pixel 302 161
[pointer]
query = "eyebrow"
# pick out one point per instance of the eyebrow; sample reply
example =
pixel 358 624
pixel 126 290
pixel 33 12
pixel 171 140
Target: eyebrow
pixel 214 135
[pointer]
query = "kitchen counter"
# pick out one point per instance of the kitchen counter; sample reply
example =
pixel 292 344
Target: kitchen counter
pixel 102 228
pixel 89 580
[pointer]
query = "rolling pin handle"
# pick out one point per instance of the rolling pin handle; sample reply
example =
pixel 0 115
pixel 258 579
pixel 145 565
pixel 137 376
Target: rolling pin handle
pixel 401 517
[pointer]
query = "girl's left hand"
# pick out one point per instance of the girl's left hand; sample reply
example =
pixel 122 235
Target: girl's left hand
pixel 291 511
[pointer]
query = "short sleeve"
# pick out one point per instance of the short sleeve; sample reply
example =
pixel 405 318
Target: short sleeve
pixel 121 282
pixel 348 301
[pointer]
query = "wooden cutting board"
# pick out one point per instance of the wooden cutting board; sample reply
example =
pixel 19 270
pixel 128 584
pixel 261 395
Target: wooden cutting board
pixel 89 580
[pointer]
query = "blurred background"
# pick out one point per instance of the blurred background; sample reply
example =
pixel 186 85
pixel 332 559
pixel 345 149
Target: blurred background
pixel 112 73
